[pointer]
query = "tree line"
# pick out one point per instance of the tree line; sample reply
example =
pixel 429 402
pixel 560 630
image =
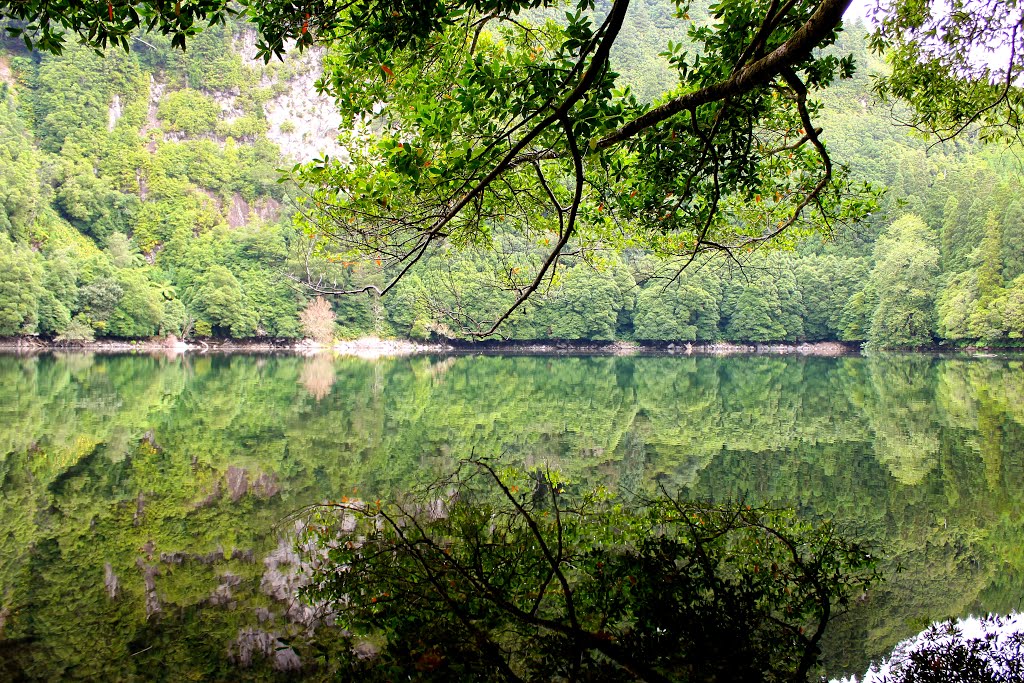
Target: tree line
pixel 166 218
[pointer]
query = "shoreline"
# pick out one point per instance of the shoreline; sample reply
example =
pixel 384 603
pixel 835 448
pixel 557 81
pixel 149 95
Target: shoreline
pixel 375 347
pixel 370 348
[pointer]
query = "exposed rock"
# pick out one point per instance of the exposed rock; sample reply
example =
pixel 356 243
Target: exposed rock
pixel 265 486
pixel 238 212
pixel 282 580
pixel 267 209
pixel 285 659
pixel 624 348
pixel 374 347
pixel 222 594
pixel 237 480
pixel 248 556
pixel 802 349
pixel 182 557
pixel 303 122
pixel 254 642
pixel 150 438
pixel 364 649
pixel 149 574
pixel 156 91
pixel 151 254
pixel 348 523
pixel 210 498
pixel 228 102
pixel 114 112
pixel 143 193
pixel 6 76
pixel 111 582
pixel 214 197
pixel 140 509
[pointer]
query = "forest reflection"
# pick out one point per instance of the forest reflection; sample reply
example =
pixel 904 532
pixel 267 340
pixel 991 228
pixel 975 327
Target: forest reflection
pixel 142 497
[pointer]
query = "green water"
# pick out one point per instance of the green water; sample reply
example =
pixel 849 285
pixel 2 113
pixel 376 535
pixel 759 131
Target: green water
pixel 144 501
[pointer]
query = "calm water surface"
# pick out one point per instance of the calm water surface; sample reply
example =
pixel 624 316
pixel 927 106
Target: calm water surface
pixel 142 499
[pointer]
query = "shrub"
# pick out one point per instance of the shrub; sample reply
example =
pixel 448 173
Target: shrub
pixel 78 331
pixel 318 321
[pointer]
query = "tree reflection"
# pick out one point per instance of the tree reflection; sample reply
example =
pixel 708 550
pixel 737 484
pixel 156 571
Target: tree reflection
pixel 318 375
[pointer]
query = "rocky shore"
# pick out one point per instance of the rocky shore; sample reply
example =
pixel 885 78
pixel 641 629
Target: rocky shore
pixel 375 347
pixel 365 347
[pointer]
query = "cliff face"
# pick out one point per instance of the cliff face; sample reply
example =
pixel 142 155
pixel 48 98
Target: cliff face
pixel 167 98
pixel 140 192
pixel 303 123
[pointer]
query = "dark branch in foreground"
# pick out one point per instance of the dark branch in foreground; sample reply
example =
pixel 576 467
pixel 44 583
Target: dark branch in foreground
pixel 505 576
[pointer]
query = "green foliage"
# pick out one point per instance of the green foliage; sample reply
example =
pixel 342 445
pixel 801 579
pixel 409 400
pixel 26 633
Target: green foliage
pixel 54 316
pixel 211 61
pixel 20 288
pixel 74 93
pixel 139 313
pixel 583 305
pixel 78 331
pixel 90 204
pixel 682 311
pixel 574 153
pixel 202 328
pixel 906 265
pixel 84 167
pixel 246 127
pixel 1013 235
pixel 755 314
pixel 189 111
pixel 222 303
pixel 40 24
pixel 175 319
pixel 937 69
pixel 99 299
pixel 19 168
pixel 499 576
pixel 957 302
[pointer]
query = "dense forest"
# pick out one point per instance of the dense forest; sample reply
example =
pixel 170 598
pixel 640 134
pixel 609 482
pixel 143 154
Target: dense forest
pixel 140 196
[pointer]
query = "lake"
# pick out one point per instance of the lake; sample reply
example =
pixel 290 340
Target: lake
pixel 145 501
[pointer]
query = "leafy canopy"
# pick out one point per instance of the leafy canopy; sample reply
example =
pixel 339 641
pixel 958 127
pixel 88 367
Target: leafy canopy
pixel 959 63
pixel 44 24
pixel 480 118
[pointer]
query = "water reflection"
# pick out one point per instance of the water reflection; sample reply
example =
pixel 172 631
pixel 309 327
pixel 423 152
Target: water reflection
pixel 318 376
pixel 141 496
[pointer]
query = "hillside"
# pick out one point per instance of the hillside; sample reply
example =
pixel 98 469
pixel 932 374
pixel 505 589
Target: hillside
pixel 140 196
